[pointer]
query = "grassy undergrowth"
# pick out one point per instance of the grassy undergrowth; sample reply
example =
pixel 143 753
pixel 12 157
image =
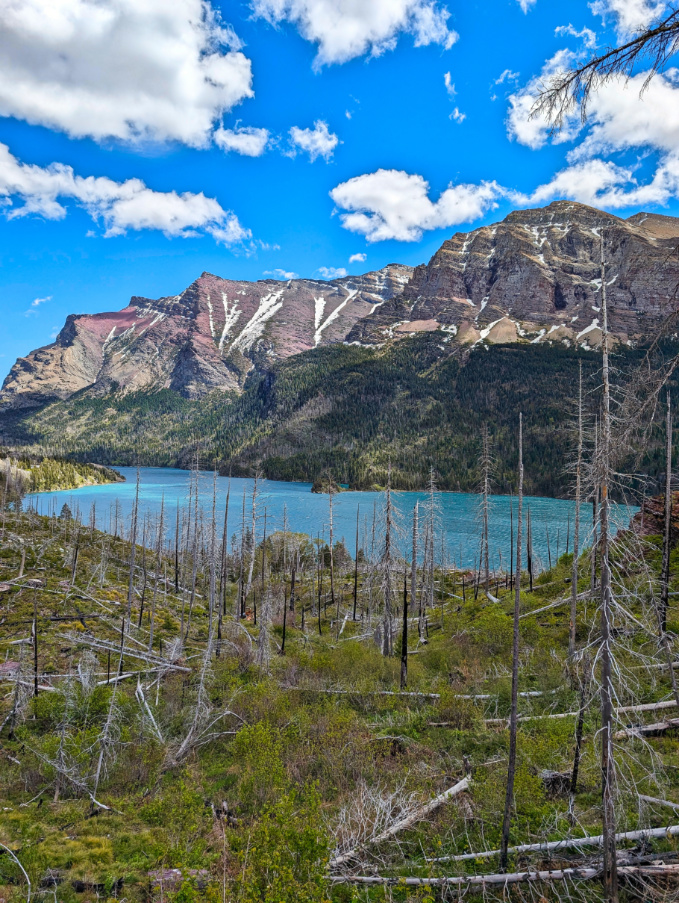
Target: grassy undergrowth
pixel 287 771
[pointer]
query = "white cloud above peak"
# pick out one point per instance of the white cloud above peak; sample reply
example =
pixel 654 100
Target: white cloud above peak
pixel 358 258
pixel 345 29
pixel 35 304
pixel 317 142
pixel 120 206
pixel 123 69
pixel 246 140
pixel 331 272
pixel 622 117
pixel 279 273
pixel 391 204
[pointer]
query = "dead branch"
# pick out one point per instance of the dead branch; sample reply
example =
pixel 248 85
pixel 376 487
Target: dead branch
pixel 407 822
pixel 14 858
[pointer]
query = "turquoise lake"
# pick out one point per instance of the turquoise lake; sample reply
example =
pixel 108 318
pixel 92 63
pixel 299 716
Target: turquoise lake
pixel 458 530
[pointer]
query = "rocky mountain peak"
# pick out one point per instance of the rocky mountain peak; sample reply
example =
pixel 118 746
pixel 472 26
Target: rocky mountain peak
pixel 536 276
pixel 205 339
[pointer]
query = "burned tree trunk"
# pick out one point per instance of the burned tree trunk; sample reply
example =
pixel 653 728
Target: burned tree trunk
pixel 665 576
pixel 576 534
pixel 513 721
pixel 404 633
pixel 610 875
pixel 358 509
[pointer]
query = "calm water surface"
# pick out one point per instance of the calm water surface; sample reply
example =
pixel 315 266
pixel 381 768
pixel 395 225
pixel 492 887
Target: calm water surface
pixel 458 514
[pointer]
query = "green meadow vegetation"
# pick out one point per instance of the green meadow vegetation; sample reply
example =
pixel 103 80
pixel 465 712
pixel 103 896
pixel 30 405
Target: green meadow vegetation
pixel 250 752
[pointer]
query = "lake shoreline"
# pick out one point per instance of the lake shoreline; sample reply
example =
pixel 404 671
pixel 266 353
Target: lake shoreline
pixel 457 524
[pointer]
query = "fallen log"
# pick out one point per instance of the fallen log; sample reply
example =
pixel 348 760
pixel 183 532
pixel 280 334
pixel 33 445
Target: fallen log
pixel 643 730
pixel 622 710
pixel 568 843
pixel 413 818
pixel 653 799
pixel 573 874
pixel 647 707
pixel 107 646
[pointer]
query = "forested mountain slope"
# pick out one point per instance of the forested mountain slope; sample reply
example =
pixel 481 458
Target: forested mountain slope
pixel 352 411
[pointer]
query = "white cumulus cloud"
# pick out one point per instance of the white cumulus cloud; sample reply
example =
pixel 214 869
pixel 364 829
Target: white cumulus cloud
pixel 279 273
pixel 345 29
pixel 317 142
pixel 601 183
pixel 126 69
pixel 391 204
pixel 587 36
pixel 457 115
pixel 35 303
pixel 507 76
pixel 631 16
pixel 246 140
pixel 526 4
pixel 622 119
pixel 587 183
pixel 358 258
pixel 118 205
pixel 331 272
pixel 525 127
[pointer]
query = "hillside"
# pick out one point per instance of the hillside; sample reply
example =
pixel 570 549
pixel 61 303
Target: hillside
pixel 352 411
pixel 156 750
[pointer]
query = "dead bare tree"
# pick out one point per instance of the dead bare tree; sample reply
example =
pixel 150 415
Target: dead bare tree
pixel 513 720
pixel 610 878
pixel 667 544
pixel 332 555
pixel 159 561
pixel 413 567
pixel 404 633
pixel 133 549
pixel 485 463
pixel 223 569
pixel 665 574
pixel 576 532
pixel 358 509
pixel 253 533
pixel 567 91
pixel 387 562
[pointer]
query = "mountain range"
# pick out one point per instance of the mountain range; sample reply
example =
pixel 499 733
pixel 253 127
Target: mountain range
pixel 257 372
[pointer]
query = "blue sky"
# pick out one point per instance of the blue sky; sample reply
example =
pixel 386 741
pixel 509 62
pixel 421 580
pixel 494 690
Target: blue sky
pixel 143 142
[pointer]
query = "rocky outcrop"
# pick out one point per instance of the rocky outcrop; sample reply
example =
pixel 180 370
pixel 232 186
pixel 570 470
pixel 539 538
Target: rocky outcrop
pixel 208 338
pixel 536 276
pixel 650 519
